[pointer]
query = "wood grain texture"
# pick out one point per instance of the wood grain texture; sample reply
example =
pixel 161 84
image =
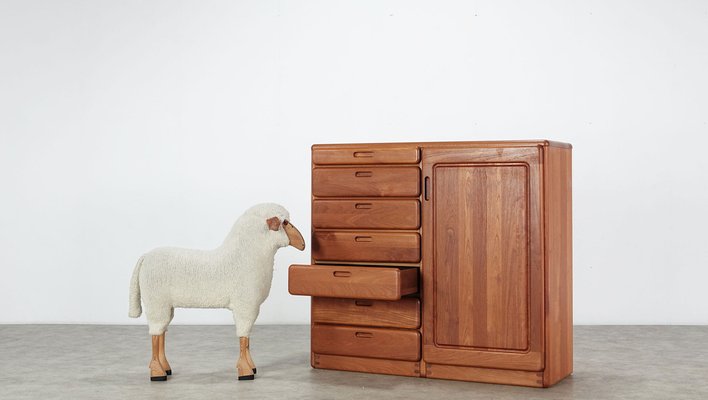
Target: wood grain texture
pixel 366 214
pixel 482 258
pixel 366 246
pixel 404 313
pixel 486 375
pixel 393 344
pixel 371 365
pixel 559 264
pixel 157 371
pixel 366 155
pixel 374 283
pixel 366 181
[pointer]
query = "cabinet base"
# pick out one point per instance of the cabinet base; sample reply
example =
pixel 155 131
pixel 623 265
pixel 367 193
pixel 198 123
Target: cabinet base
pixel 371 365
pixel 433 371
pixel 485 375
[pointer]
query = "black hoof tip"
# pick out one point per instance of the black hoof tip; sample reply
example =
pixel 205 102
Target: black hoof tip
pixel 246 378
pixel 158 378
pixel 254 371
pixel 168 372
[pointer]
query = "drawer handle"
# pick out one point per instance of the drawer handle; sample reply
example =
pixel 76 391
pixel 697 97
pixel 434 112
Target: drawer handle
pixel 364 335
pixel 363 206
pixel 363 239
pixel 363 154
pixel 363 174
pixel 342 274
pixel 363 303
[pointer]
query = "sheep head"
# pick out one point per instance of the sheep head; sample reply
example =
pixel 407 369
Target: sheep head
pixel 294 237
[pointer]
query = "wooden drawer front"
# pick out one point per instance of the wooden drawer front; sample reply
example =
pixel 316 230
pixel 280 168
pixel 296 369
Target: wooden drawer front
pixel 392 344
pixel 401 155
pixel 404 313
pixel 375 283
pixel 370 365
pixel 402 247
pixel 366 214
pixel 366 181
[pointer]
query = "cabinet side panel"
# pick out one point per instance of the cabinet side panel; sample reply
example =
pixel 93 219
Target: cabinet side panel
pixel 559 264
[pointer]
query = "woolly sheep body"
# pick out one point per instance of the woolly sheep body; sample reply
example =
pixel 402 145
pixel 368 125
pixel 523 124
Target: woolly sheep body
pixel 236 275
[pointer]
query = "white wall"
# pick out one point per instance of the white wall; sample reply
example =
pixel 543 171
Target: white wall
pixel 126 125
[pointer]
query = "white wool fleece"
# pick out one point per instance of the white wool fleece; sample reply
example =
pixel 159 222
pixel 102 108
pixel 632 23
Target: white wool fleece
pixel 236 275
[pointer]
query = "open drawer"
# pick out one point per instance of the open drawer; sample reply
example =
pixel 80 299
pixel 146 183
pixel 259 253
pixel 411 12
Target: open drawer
pixel 375 283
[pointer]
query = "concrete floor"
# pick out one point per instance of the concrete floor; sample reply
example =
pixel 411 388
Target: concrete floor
pixel 110 362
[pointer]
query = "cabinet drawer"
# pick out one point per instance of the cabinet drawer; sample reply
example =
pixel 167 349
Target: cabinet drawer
pixel 366 214
pixel 404 313
pixel 392 247
pixel 363 155
pixel 392 344
pixel 366 181
pixel 375 283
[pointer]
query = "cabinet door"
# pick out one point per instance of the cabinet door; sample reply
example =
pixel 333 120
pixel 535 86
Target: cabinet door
pixel 482 257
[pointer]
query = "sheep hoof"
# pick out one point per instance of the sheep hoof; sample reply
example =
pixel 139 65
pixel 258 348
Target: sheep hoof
pixel 254 371
pixel 246 378
pixel 158 378
pixel 168 372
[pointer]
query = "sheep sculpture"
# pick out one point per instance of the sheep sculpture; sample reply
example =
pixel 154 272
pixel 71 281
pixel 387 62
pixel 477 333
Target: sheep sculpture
pixel 236 275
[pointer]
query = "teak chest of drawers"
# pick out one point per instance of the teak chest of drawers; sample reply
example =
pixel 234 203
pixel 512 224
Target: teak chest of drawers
pixel 448 260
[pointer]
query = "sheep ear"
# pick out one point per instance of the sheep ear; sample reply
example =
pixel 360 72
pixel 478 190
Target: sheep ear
pixel 273 223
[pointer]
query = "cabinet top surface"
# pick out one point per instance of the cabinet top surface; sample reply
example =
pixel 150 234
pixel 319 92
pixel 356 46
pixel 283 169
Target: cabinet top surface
pixel 493 143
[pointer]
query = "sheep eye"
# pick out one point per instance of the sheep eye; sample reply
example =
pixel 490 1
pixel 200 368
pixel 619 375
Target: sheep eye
pixel 285 223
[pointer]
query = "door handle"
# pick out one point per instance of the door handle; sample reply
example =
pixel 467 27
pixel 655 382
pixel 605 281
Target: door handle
pixel 426 188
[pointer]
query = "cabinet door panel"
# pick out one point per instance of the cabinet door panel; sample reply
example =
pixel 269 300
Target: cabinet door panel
pixel 482 258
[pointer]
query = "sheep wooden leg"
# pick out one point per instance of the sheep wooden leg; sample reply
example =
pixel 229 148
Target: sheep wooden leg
pixel 248 356
pixel 157 373
pixel 245 372
pixel 161 356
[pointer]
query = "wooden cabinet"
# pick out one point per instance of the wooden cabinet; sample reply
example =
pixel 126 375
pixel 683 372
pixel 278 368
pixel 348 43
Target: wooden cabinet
pixel 486 229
